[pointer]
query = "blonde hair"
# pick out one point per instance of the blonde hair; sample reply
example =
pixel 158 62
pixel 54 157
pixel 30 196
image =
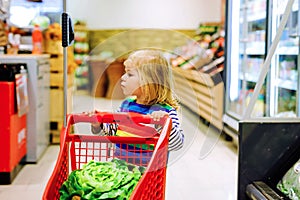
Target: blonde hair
pixel 155 76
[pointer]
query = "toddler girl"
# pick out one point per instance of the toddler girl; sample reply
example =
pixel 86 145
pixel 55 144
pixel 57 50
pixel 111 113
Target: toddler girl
pixel 147 85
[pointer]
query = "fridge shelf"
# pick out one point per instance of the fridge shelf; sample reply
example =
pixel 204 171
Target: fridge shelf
pixel 253 48
pixel 288 50
pixel 287 84
pixel 254 17
pixel 249 77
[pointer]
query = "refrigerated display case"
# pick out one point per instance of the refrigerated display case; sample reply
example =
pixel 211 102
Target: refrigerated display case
pixel 250 30
pixel 262 93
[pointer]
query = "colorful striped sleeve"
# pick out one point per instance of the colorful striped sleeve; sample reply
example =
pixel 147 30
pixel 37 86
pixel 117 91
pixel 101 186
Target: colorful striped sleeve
pixel 176 138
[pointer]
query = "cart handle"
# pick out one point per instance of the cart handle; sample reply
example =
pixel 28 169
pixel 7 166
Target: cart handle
pixel 128 118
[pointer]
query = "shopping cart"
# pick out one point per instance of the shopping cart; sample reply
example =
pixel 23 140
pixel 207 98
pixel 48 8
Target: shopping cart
pixel 78 149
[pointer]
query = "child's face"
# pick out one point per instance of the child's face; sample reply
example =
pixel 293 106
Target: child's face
pixel 130 83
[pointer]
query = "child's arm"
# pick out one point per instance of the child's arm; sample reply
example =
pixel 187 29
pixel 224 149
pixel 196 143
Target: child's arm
pixel 104 128
pixel 176 138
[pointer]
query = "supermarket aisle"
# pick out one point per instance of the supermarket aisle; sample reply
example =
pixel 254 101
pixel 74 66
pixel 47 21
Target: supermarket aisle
pixel 204 169
pixel 208 167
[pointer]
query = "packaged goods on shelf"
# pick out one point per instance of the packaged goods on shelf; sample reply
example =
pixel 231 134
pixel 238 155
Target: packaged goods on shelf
pixel 3 34
pixel 37 40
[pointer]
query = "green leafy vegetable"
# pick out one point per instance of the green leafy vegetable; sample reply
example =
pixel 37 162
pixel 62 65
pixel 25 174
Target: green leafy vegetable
pixel 290 182
pixel 102 180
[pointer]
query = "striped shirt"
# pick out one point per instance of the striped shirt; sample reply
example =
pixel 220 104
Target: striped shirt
pixel 176 138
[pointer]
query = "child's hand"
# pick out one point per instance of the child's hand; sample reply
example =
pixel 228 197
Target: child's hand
pixel 156 115
pixel 96 128
pixel 89 113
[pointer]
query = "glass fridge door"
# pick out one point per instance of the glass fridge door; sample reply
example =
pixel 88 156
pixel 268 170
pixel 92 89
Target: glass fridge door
pixel 284 68
pixel 246 53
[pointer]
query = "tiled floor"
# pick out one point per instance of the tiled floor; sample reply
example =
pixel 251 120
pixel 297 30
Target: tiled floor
pixel 205 169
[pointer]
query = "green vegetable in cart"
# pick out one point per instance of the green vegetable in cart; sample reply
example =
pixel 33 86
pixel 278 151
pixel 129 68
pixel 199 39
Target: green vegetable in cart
pixel 102 180
pixel 290 182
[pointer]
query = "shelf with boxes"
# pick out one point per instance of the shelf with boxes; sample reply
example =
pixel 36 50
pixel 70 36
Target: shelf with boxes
pixel 53 47
pixel 57 96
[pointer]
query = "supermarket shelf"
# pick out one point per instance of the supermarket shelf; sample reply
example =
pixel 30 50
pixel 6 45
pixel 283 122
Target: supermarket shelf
pixel 201 93
pixel 248 77
pixel 288 50
pixel 259 49
pixel 257 16
pixel 287 84
pixel 253 48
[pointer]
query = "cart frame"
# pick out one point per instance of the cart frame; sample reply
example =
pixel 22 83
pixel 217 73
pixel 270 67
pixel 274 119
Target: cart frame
pixel 152 183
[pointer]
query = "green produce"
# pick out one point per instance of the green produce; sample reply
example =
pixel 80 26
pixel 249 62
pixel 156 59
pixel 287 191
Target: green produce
pixel 102 180
pixel 290 183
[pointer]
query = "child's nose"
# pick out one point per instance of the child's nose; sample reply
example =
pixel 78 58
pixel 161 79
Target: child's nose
pixel 123 77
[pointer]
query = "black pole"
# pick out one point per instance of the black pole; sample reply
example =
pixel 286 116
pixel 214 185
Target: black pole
pixel 67 39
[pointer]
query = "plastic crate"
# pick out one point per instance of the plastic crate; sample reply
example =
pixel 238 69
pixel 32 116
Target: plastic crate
pixel 78 149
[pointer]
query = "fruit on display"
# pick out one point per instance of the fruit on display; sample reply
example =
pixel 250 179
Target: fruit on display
pixel 54 32
pixel 290 183
pixel 205 53
pixel 81 47
pixel 80 36
pixel 81 53
pixel 79 59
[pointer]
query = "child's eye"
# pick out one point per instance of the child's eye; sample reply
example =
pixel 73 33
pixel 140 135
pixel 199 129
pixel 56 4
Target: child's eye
pixel 129 74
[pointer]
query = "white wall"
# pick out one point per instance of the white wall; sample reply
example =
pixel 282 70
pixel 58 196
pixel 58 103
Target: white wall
pixel 166 14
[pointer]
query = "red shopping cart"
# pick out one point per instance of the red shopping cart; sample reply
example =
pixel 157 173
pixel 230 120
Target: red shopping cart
pixel 78 149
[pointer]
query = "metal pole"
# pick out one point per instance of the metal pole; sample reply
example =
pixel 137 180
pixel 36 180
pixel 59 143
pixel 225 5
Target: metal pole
pixel 65 76
pixel 65 5
pixel 65 70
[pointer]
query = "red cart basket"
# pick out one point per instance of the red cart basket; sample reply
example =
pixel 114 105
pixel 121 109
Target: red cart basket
pixel 78 149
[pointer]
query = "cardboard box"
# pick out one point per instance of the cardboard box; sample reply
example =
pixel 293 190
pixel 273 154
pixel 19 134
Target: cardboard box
pixel 54 47
pixel 57 79
pixel 57 103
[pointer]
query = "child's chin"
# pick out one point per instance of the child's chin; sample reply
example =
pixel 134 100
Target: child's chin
pixel 126 94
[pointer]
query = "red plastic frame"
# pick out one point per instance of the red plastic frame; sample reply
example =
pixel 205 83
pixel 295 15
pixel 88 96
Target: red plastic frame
pixel 77 149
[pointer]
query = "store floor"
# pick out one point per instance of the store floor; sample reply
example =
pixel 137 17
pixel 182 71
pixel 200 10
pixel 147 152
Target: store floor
pixel 206 168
